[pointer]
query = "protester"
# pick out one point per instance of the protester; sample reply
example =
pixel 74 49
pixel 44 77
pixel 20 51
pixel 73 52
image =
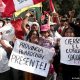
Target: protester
pixel 26 31
pixel 4 68
pixel 6 49
pixel 47 42
pixel 32 37
pixel 35 26
pixel 76 28
pixel 28 25
pixel 56 62
pixel 55 18
pixel 61 26
pixel 52 29
pixel 70 72
pixel 68 32
pixel 71 14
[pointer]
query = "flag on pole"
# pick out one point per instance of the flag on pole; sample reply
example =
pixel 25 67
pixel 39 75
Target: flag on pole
pixel 15 5
pixel 0 2
pixel 52 6
pixel 26 8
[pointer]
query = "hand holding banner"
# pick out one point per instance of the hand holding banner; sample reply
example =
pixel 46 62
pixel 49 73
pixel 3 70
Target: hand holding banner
pixel 31 58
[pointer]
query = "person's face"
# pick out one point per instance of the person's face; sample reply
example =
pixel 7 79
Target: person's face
pixel 34 27
pixel 52 27
pixel 65 24
pixel 45 34
pixel 28 27
pixel 69 33
pixel 72 13
pixel 34 37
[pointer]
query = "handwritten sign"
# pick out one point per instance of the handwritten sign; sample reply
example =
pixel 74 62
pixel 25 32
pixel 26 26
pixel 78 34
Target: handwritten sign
pixel 70 50
pixel 31 58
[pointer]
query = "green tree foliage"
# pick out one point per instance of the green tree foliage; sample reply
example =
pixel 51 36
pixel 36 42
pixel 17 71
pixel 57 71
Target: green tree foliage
pixel 63 6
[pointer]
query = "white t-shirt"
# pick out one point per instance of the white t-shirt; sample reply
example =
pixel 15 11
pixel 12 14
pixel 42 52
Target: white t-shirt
pixel 8 32
pixel 3 61
pixel 3 58
pixel 7 35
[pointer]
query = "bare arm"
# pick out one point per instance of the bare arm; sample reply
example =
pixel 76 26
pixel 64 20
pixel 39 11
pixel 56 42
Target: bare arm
pixel 6 47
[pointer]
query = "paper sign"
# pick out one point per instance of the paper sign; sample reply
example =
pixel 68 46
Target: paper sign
pixel 30 58
pixel 70 50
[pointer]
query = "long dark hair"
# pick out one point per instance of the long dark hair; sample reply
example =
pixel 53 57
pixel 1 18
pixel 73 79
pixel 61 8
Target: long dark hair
pixel 64 31
pixel 30 34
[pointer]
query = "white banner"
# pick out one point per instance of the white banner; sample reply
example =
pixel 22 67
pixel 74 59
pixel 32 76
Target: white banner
pixel 31 58
pixel 19 4
pixel 70 50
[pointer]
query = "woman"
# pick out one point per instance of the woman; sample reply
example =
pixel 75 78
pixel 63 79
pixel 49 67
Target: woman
pixel 35 26
pixel 32 37
pixel 48 42
pixel 68 32
pixel 69 72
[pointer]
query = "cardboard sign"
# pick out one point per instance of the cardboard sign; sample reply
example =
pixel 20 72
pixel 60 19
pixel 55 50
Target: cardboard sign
pixel 30 58
pixel 70 50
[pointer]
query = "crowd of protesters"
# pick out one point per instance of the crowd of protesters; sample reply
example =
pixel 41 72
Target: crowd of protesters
pixel 46 34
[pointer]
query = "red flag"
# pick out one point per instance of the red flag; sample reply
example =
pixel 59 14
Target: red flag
pixel 2 6
pixel 51 6
pixel 15 5
pixel 18 30
pixel 0 2
pixel 37 1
